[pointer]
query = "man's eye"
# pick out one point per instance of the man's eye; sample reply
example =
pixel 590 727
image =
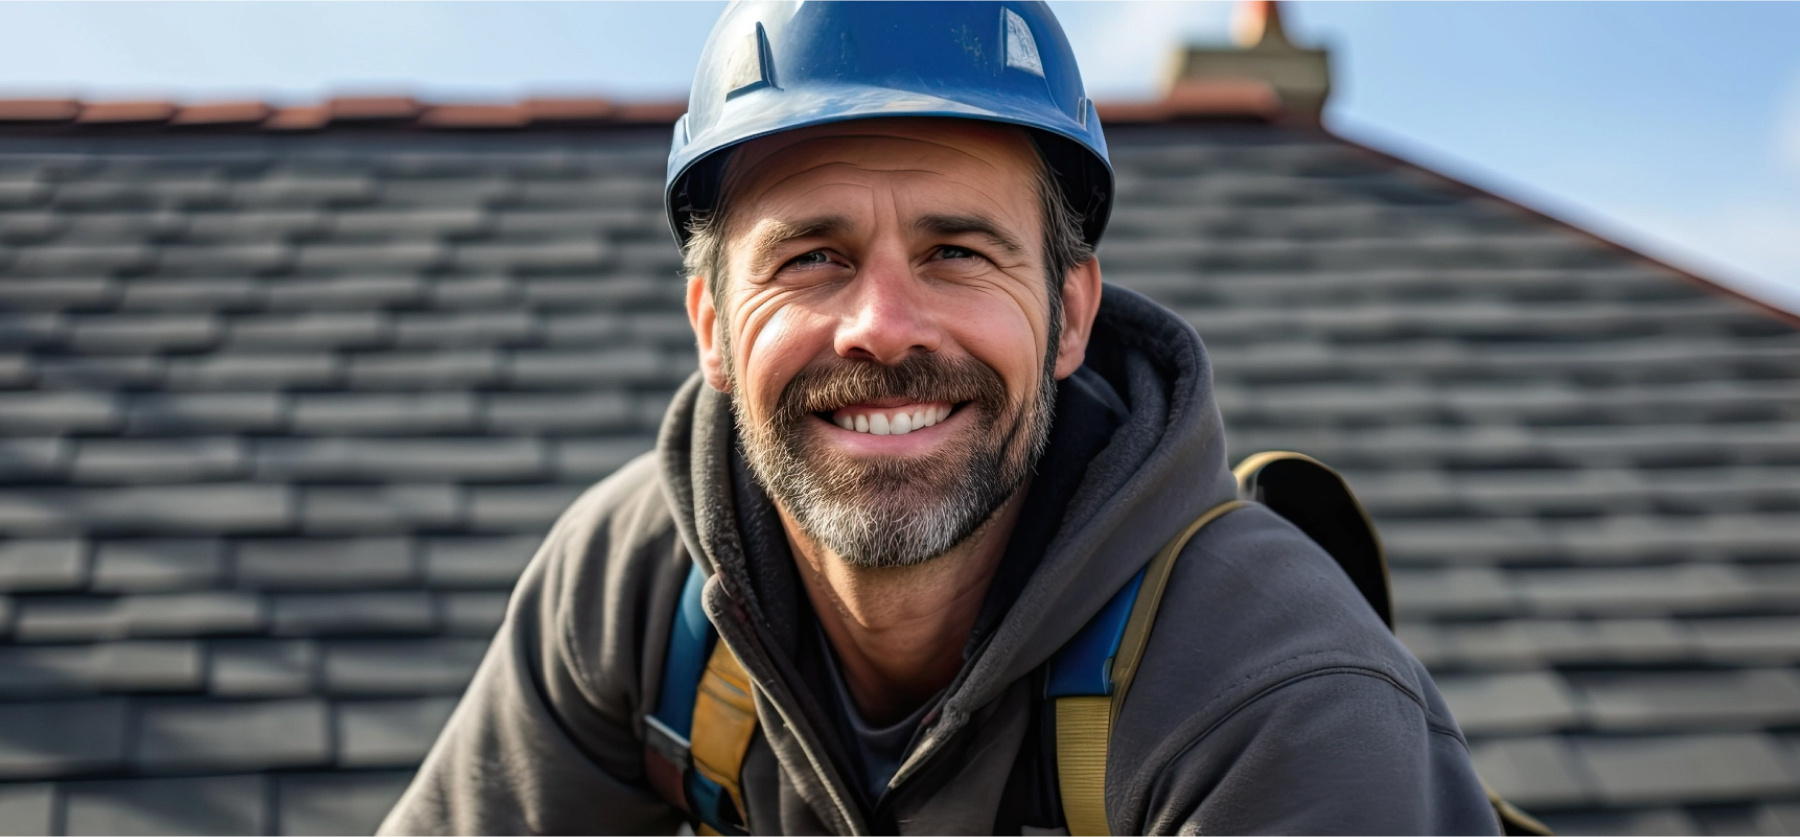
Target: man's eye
pixel 815 258
pixel 951 251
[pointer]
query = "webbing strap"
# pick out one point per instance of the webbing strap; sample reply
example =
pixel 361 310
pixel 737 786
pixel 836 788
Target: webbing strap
pixel 724 722
pixel 1084 721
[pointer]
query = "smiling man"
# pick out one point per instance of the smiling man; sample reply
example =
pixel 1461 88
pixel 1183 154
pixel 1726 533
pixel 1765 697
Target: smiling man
pixel 926 450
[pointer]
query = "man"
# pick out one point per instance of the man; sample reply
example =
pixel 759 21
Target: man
pixel 926 446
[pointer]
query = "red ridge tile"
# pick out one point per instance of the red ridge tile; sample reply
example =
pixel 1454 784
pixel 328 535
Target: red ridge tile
pixel 476 116
pixel 649 113
pixel 222 113
pixel 358 108
pixel 569 109
pixel 299 118
pixel 38 110
pixel 102 113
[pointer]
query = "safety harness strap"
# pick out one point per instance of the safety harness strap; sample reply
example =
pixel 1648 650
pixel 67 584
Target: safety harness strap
pixel 669 756
pixel 1090 676
pixel 724 722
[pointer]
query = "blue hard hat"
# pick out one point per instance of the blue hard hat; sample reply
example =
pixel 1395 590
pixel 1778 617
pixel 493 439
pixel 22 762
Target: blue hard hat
pixel 777 66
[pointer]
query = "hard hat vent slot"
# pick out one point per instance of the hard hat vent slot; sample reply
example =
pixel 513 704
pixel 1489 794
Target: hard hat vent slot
pixel 752 64
pixel 1021 48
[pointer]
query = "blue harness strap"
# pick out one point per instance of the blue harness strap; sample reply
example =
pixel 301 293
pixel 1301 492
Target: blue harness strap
pixel 668 730
pixel 1084 664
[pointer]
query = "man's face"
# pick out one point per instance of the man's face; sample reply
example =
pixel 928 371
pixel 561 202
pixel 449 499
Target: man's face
pixel 884 329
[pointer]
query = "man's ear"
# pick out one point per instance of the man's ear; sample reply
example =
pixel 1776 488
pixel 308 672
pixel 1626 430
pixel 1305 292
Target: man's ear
pixel 1081 304
pixel 705 320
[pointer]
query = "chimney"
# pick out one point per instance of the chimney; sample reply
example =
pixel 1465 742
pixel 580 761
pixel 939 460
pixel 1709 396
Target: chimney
pixel 1299 78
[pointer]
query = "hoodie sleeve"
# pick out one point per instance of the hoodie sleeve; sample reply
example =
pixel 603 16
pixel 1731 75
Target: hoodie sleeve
pixel 543 741
pixel 1342 751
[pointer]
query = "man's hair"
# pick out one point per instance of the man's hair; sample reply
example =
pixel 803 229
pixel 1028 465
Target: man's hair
pixel 1064 246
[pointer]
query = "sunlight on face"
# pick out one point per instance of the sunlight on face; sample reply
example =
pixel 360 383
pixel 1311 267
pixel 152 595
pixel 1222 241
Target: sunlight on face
pixel 888 322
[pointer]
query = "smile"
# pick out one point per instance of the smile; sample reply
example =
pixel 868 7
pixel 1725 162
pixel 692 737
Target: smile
pixel 897 420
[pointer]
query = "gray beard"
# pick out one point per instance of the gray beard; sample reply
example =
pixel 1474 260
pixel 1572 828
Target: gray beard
pixel 877 513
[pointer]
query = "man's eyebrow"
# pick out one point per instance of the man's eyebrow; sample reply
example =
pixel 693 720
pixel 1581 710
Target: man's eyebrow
pixel 946 225
pixel 770 235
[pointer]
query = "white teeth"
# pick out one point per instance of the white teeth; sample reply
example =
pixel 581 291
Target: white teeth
pixel 898 423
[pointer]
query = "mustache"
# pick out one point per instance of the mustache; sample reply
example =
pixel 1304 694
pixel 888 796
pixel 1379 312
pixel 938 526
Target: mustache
pixel 837 382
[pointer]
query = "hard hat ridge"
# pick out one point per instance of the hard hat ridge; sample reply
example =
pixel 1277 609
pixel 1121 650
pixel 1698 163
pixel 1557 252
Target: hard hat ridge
pixel 770 67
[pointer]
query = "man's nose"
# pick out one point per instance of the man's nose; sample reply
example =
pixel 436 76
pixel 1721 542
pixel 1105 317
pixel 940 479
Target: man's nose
pixel 887 317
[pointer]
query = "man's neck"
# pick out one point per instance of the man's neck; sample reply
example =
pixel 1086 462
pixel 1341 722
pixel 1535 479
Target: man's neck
pixel 899 632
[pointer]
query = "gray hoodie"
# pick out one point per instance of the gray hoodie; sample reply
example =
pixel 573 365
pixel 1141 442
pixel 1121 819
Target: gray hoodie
pixel 1271 699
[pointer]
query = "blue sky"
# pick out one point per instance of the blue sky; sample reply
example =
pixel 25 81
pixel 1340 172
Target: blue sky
pixel 1674 127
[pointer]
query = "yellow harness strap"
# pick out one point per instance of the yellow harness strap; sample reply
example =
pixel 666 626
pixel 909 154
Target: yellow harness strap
pixel 724 722
pixel 1084 722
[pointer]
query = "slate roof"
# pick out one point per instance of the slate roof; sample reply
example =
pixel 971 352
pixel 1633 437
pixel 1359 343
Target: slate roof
pixel 282 416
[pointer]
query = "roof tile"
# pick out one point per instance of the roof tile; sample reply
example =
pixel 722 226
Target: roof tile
pixel 155 564
pixel 432 666
pixel 194 613
pixel 471 328
pixel 56 293
pixel 321 330
pixel 58 411
pixel 220 735
pixel 202 805
pixel 476 614
pixel 253 371
pixel 1541 770
pixel 389 733
pixel 27 458
pixel 471 458
pixel 380 509
pixel 209 508
pixel 214 293
pixel 320 614
pixel 113 113
pixel 596 458
pixel 392 256
pixel 318 563
pixel 224 259
pixel 1692 768
pixel 49 564
pixel 405 413
pixel 425 370
pixel 222 113
pixel 1486 704
pixel 263 667
pixel 478 561
pixel 332 804
pixel 56 738
pixel 158 460
pixel 513 412
pixel 1693 699
pixel 29 809
pixel 506 508
pixel 203 412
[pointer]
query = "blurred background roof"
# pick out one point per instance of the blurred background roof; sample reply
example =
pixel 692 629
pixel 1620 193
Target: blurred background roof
pixel 1673 126
pixel 289 389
